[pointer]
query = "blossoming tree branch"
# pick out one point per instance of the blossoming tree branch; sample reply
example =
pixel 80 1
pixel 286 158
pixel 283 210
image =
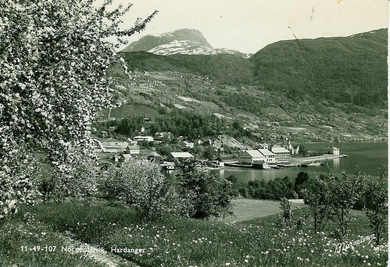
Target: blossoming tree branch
pixel 54 61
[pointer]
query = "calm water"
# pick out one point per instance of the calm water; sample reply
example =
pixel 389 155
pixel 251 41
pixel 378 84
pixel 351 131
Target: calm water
pixel 369 158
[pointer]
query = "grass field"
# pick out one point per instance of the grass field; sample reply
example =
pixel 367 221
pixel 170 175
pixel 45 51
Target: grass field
pixel 171 241
pixel 248 209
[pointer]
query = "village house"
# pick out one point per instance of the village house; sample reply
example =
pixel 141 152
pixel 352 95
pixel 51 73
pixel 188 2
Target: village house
pixel 263 146
pixel 268 155
pixel 133 150
pixel 188 144
pixel 142 138
pixel 282 155
pixel 163 136
pixel 168 166
pixel 179 157
pixel 113 146
pixel 251 157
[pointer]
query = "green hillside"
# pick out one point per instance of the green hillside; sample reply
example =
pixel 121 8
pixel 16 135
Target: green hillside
pixel 346 69
pixel 231 69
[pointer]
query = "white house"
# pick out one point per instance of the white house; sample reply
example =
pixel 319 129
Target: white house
pixel 281 154
pixel 164 136
pixel 114 146
pixel 133 150
pixel 251 157
pixel 179 156
pixel 142 138
pixel 268 155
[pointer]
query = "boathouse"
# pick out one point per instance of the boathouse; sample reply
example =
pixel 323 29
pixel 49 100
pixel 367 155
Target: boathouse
pixel 281 154
pixel 268 155
pixel 251 157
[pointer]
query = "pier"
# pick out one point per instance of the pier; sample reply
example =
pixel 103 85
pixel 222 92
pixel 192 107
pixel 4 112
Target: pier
pixel 295 162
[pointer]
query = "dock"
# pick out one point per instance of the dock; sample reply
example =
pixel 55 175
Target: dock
pixel 296 162
pixel 240 165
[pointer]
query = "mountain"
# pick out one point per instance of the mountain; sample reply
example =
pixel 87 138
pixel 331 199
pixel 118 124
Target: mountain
pixel 311 89
pixel 349 69
pixel 183 41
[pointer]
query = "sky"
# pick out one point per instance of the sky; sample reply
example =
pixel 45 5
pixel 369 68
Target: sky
pixel 249 25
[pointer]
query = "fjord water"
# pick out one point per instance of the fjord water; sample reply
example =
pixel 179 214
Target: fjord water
pixel 368 158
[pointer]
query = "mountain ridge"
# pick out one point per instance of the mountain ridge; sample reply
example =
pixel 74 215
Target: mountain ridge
pixel 182 41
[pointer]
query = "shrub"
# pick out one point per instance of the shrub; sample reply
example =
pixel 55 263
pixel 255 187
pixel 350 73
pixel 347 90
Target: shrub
pixel 344 193
pixel 286 211
pixel 235 187
pixel 210 194
pixel 139 184
pixel 375 196
pixel 300 181
pixel 316 197
pixel 273 189
pixel 77 177
pixel 16 187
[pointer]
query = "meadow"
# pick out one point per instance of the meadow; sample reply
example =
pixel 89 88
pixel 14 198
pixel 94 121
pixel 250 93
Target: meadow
pixel 174 241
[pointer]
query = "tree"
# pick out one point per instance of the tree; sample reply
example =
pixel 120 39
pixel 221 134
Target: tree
pixel 286 211
pixel 140 184
pixel 55 58
pixel 300 181
pixel 316 197
pixel 210 194
pixel 375 199
pixel 344 192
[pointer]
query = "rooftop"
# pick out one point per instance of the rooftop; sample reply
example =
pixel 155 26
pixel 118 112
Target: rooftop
pixel 279 149
pixel 266 152
pixel 181 155
pixel 254 153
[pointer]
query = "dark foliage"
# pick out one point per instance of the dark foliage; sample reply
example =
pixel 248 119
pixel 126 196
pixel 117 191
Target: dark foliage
pixel 210 194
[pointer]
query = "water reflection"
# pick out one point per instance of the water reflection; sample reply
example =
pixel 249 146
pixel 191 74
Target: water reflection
pixel 336 163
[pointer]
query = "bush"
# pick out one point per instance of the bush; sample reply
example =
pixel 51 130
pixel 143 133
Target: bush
pixel 139 184
pixel 16 187
pixel 300 181
pixel 316 196
pixel 375 199
pixel 273 189
pixel 83 181
pixel 77 177
pixel 209 194
pixel 235 187
pixel 344 192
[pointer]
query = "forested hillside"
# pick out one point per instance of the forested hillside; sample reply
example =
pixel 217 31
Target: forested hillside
pixel 346 69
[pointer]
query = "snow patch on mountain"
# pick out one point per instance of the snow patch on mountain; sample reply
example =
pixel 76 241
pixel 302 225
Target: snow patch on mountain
pixel 184 41
pixel 186 47
pixel 182 47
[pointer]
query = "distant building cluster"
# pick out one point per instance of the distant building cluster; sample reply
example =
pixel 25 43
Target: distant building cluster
pixel 178 150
